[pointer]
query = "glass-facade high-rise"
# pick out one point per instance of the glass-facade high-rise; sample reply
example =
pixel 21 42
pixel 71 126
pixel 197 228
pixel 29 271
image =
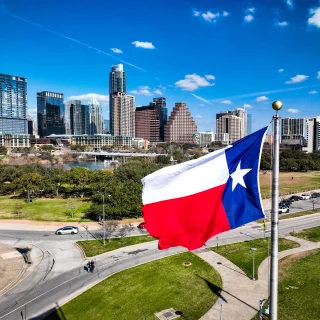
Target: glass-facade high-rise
pixel 117 83
pixel 161 107
pixel 96 122
pixel 76 118
pixel 50 113
pixel 13 105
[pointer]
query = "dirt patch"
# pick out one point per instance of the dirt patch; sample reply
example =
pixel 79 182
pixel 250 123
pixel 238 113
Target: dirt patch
pixel 287 261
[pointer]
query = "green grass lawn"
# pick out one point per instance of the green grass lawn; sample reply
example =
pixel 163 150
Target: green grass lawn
pixel 312 234
pixel 241 254
pixel 94 247
pixel 42 209
pixel 299 281
pixel 138 293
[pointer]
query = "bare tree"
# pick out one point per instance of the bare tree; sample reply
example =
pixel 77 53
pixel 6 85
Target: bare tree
pixel 111 227
pixel 125 229
pixel 72 207
pixel 18 206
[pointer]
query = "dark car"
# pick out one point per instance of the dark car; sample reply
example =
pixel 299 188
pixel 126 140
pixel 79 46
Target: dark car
pixel 295 198
pixel 315 195
pixel 141 225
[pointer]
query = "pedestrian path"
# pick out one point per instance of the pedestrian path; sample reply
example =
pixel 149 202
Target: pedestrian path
pixel 240 295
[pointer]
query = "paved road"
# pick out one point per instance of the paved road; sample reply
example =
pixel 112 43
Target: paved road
pixel 61 275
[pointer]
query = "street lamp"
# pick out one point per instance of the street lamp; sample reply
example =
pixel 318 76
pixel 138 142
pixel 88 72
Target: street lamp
pixel 253 250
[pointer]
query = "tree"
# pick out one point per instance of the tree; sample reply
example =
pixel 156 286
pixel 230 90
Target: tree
pixel 72 206
pixel 162 159
pixel 111 227
pixel 3 150
pixel 125 229
pixel 79 177
pixel 29 182
pixel 57 177
pixel 18 206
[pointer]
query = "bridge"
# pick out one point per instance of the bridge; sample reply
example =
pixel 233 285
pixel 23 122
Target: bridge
pixel 114 155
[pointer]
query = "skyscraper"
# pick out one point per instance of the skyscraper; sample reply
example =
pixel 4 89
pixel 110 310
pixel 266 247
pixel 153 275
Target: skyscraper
pixel 313 134
pixel 96 122
pixel 13 104
pixel 180 126
pixel 147 123
pixel 117 83
pixel 122 118
pixel 76 118
pixel 234 123
pixel 161 107
pixel 293 130
pixel 51 113
pixel 249 123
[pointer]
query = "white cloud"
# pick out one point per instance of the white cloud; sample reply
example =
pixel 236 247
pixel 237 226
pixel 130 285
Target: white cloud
pixel 247 106
pixel 209 16
pixel 142 91
pixel 293 110
pixel 252 10
pixel 116 50
pixel 225 13
pixel 198 117
pixel 210 77
pixel 32 112
pixel 318 75
pixel 157 91
pixel 280 70
pixel 102 99
pixel 281 24
pixel 289 3
pixel 192 82
pixel 201 99
pixel 248 18
pixel 262 98
pixel 201 105
pixel 313 92
pixel 315 17
pixel 226 102
pixel 144 45
pixel 298 78
pixel 196 13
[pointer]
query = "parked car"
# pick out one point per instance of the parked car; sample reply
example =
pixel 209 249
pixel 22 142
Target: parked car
pixel 285 203
pixel 67 230
pixel 284 210
pixel 315 195
pixel 306 196
pixel 141 225
pixel 295 198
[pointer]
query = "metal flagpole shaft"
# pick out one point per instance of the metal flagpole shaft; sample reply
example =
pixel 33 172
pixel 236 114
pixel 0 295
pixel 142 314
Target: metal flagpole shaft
pixel 277 105
pixel 104 223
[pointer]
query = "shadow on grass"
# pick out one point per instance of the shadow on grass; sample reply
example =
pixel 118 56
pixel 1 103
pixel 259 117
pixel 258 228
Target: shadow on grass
pixel 217 291
pixel 52 314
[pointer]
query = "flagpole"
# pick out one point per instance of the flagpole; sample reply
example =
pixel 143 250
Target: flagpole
pixel 276 105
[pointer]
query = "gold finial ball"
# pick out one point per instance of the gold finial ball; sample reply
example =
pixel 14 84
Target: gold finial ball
pixel 277 105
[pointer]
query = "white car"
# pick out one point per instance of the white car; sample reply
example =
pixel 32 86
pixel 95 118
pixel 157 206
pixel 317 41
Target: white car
pixel 306 196
pixel 284 210
pixel 67 230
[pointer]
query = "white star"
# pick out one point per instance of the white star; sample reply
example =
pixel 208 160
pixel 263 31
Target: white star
pixel 237 176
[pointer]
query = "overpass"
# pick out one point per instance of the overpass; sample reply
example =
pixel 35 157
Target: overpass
pixel 114 155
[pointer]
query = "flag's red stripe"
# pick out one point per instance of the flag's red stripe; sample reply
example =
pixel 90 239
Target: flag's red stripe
pixel 188 221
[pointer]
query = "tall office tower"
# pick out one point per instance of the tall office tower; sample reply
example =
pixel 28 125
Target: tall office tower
pixel 230 124
pixel 161 107
pixel 77 118
pixel 313 134
pixel 122 119
pixel 117 83
pixel 13 105
pixel 147 123
pixel 107 126
pixel 180 126
pixel 293 130
pixel 31 126
pixel 51 113
pixel 96 122
pixel 249 123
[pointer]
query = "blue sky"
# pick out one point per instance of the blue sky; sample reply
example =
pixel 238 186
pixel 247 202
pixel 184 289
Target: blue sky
pixel 214 55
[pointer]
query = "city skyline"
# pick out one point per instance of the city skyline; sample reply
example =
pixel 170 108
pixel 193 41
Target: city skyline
pixel 257 53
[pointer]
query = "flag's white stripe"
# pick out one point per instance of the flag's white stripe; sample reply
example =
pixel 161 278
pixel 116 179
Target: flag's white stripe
pixel 186 178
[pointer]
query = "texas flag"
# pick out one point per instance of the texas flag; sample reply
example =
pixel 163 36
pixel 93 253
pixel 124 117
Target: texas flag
pixel 187 204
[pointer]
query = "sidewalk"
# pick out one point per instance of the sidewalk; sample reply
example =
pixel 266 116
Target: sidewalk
pixel 12 266
pixel 241 294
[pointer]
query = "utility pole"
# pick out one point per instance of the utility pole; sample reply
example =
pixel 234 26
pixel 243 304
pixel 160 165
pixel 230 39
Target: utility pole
pixel 104 223
pixel 276 105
